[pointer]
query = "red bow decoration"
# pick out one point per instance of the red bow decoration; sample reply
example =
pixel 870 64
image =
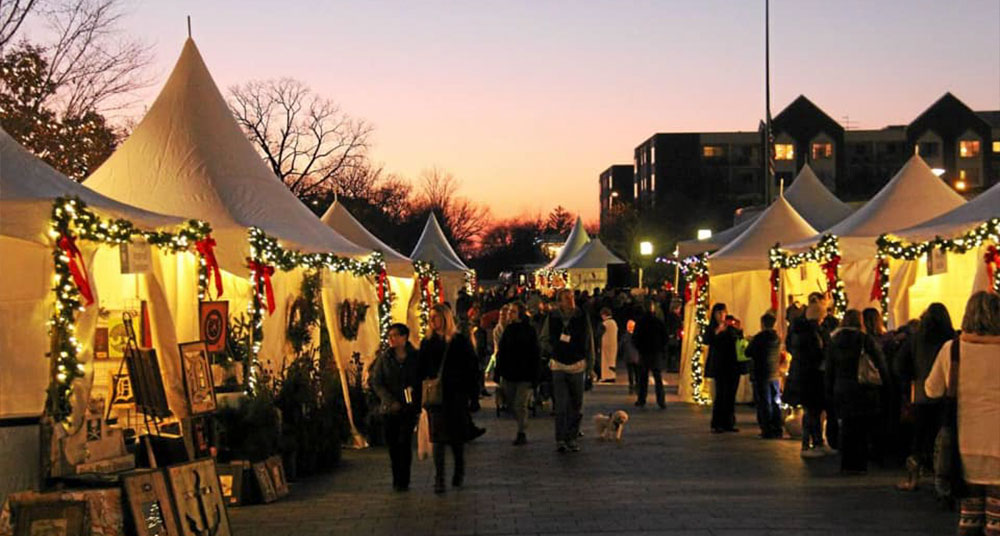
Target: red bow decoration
pixel 700 283
pixel 830 269
pixel 440 290
pixel 206 248
pixel 381 285
pixel 876 293
pixel 425 291
pixel 992 258
pixel 774 288
pixel 79 271
pixel 687 293
pixel 263 272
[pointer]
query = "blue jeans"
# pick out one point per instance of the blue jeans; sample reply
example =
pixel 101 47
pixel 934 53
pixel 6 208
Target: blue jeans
pixel 769 416
pixel 567 397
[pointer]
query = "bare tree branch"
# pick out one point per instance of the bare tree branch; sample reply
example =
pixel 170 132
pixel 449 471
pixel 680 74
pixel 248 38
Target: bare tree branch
pixel 12 15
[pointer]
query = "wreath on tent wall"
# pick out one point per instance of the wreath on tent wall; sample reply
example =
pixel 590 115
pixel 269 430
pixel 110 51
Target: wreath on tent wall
pixel 351 314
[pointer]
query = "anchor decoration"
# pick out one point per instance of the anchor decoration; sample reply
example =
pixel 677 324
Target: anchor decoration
pixel 203 526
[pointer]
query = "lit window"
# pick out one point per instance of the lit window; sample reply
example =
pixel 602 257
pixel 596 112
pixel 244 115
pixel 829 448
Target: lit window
pixel 968 148
pixel 609 182
pixel 635 190
pixel 652 182
pixel 712 151
pixel 784 151
pixel 996 146
pixel 822 151
pixel 969 176
pixel 652 155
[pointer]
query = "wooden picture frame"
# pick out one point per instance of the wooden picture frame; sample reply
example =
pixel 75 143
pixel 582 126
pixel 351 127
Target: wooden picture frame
pixel 199 432
pixel 231 482
pixel 197 495
pixel 197 371
pixel 276 470
pixel 53 516
pixel 147 383
pixel 213 324
pixel 264 485
pixel 149 503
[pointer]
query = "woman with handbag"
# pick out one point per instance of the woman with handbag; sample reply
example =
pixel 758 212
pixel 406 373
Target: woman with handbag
pixel 967 370
pixel 450 373
pixel 855 373
pixel 396 380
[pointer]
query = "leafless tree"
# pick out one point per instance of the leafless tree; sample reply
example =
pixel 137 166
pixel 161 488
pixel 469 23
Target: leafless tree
pixel 92 65
pixel 12 15
pixel 307 140
pixel 464 219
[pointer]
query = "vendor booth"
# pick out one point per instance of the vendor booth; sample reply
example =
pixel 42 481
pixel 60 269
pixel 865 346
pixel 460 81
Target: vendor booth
pixel 551 275
pixel 433 248
pixel 588 269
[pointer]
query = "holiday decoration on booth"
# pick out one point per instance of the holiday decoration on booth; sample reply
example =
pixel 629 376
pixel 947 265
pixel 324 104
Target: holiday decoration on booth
pixel 827 254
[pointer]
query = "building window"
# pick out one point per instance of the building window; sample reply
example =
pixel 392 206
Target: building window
pixel 928 149
pixel 968 148
pixel 609 182
pixel 822 151
pixel 968 177
pixel 713 151
pixel 996 146
pixel 784 151
pixel 652 155
pixel 635 190
pixel 652 182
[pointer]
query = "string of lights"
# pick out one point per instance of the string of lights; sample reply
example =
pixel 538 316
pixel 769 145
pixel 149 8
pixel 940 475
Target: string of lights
pixel 695 271
pixel 827 253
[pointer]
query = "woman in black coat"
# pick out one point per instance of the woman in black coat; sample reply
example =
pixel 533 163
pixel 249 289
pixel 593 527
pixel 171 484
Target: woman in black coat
pixel 857 404
pixel 650 339
pixel 807 342
pixel 450 353
pixel 722 365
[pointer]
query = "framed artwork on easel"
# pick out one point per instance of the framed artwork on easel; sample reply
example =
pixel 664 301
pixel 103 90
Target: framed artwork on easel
pixel 197 371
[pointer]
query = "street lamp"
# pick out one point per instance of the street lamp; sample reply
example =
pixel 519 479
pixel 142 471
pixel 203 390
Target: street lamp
pixel 704 234
pixel 645 250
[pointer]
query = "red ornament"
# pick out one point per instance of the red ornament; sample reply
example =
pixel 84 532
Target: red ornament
pixel 774 288
pixel 382 284
pixel 78 270
pixel 876 293
pixel 263 273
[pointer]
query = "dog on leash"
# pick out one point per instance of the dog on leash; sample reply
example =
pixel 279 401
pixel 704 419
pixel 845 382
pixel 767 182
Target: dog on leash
pixel 610 425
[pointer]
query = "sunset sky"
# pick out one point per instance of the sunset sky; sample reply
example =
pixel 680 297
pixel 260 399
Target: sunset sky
pixel 527 102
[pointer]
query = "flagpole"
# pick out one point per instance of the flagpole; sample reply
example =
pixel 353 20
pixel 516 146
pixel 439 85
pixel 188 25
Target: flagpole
pixel 768 141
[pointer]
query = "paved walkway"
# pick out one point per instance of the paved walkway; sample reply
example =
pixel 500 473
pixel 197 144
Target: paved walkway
pixel 671 477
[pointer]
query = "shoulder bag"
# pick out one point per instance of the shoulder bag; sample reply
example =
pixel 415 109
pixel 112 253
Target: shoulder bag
pixel 947 458
pixel 431 388
pixel 868 373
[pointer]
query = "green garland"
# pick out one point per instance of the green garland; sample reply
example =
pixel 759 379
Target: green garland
pixel 471 282
pixel 826 252
pixel 425 274
pixel 695 270
pixel 550 275
pixel 72 220
pixel 892 247
pixel 267 251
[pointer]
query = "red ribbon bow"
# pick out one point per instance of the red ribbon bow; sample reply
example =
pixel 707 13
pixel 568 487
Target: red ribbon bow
pixel 381 285
pixel 79 271
pixel 992 258
pixel 263 272
pixel 774 289
pixel 425 291
pixel 440 290
pixel 206 248
pixel 700 283
pixel 830 269
pixel 876 293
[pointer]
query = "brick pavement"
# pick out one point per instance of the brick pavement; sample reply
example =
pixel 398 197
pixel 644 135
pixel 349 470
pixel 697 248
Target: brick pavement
pixel 671 477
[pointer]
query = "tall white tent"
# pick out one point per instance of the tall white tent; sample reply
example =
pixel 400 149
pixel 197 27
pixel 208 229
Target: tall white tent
pixel 962 275
pixel 28 189
pixel 189 157
pixel 913 195
pixel 814 202
pixel 434 248
pixel 589 268
pixel 739 274
pixel 577 239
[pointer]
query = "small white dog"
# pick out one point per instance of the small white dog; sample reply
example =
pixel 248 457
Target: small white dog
pixel 610 425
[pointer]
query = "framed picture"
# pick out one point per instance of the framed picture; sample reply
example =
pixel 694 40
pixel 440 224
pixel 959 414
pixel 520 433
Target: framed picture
pixel 197 496
pixel 276 469
pixel 199 432
pixel 213 324
pixel 263 479
pixel 231 481
pixel 101 343
pixel 121 391
pixel 149 504
pixel 147 383
pixel 117 336
pixel 49 517
pixel 197 371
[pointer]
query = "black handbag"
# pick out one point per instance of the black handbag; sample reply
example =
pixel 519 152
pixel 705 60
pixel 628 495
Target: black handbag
pixel 947 458
pixel 432 388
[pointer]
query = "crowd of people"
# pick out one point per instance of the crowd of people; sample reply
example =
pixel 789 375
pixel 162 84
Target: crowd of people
pixel 865 393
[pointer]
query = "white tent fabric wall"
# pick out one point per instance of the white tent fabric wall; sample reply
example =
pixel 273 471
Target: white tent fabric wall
pixel 434 248
pixel 575 242
pixel 685 390
pixel 588 269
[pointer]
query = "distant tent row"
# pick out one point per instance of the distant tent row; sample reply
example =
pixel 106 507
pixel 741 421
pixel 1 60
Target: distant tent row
pixel 583 262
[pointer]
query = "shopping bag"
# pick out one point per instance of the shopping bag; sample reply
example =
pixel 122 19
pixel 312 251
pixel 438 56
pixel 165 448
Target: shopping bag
pixel 423 436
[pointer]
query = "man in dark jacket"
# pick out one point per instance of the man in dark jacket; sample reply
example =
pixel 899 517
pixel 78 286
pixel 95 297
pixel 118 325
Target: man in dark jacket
pixel 568 340
pixel 517 365
pixel 765 353
pixel 396 380
pixel 650 339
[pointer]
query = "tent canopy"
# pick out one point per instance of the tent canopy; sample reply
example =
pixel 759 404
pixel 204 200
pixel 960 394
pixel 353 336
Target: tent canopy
pixel 577 239
pixel 28 186
pixel 686 248
pixel 749 251
pixel 433 247
pixel 189 157
pixel 912 195
pixel 814 202
pixel 338 218
pixel 958 220
pixel 594 256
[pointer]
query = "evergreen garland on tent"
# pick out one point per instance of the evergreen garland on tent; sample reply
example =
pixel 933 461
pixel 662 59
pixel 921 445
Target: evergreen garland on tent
pixel 695 271
pixel 827 253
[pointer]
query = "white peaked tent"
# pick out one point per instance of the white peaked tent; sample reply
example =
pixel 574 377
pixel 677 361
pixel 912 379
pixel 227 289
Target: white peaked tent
pixel 28 188
pixel 963 274
pixel 398 266
pixel 189 157
pixel 739 274
pixel 814 202
pixel 434 248
pixel 913 195
pixel 589 268
pixel 577 239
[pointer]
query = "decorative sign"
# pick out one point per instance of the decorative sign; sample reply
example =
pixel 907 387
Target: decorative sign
pixel 121 391
pixel 117 336
pixel 197 494
pixel 136 258
pixel 213 324
pixel 197 377
pixel 101 343
pixel 264 484
pixel 937 261
pixel 149 503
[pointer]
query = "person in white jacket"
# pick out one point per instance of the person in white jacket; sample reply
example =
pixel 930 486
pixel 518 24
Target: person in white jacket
pixel 609 345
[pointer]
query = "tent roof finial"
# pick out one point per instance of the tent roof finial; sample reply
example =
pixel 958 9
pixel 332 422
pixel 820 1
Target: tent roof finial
pixel 189 26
